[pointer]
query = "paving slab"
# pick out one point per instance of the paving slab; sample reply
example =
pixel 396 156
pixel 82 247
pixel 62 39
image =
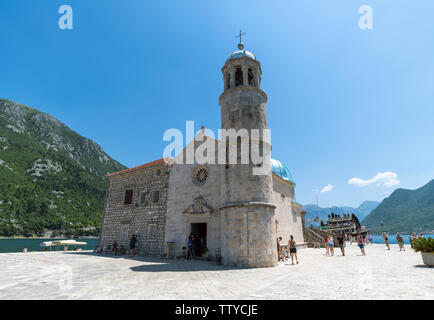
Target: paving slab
pixel 382 274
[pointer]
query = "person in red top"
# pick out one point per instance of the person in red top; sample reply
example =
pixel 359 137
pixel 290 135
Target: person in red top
pixel 326 244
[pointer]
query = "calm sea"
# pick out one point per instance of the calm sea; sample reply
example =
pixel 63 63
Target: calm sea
pixel 17 245
pixel 392 238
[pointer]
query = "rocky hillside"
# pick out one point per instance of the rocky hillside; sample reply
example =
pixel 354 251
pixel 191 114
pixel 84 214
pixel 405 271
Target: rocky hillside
pixel 404 210
pixel 51 178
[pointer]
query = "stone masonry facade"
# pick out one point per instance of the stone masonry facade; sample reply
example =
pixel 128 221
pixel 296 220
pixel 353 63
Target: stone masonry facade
pixel 145 216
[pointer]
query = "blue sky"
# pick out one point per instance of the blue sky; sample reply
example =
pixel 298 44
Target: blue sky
pixel 343 102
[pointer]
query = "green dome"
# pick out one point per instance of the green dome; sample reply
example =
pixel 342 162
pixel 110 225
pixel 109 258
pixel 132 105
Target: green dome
pixel 278 168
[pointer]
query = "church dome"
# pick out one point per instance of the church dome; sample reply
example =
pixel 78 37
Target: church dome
pixel 278 168
pixel 242 53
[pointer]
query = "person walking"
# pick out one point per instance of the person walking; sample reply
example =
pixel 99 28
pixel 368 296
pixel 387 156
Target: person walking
pixel 326 244
pixel 190 244
pixel 370 238
pixel 400 241
pixel 332 245
pixel 386 240
pixel 341 243
pixel 293 249
pixel 132 244
pixel 361 244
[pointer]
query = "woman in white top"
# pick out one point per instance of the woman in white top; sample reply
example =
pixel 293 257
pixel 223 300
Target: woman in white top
pixel 331 245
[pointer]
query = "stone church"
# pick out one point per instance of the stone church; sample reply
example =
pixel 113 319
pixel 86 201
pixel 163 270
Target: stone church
pixel 235 216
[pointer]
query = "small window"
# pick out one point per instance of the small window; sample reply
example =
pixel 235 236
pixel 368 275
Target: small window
pixel 128 197
pixel 142 198
pixel 238 76
pixel 228 80
pixel 158 173
pixel 156 196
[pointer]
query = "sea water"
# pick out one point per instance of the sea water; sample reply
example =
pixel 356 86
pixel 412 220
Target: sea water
pixel 392 238
pixel 18 245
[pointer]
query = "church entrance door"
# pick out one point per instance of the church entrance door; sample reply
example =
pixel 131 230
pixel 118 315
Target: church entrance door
pixel 199 231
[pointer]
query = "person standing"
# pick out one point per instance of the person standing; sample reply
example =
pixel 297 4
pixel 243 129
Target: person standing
pixel 326 244
pixel 279 249
pixel 386 240
pixel 361 244
pixel 410 239
pixel 332 245
pixel 370 238
pixel 341 243
pixel 115 247
pixel 293 249
pixel 132 244
pixel 400 241
pixel 190 243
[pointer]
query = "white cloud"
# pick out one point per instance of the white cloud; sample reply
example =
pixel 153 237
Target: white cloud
pixel 327 188
pixel 387 179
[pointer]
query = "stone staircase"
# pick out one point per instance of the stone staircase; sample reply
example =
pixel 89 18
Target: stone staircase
pixel 314 237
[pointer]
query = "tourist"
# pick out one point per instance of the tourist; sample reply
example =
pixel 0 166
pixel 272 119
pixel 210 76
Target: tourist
pixel 400 241
pixel 370 239
pixel 115 247
pixel 190 244
pixel 386 240
pixel 350 237
pixel 331 244
pixel 293 249
pixel 326 244
pixel 410 238
pixel 361 244
pixel 341 243
pixel 421 236
pixel 279 249
pixel 132 244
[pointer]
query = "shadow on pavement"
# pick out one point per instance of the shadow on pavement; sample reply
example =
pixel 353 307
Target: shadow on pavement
pixel 161 264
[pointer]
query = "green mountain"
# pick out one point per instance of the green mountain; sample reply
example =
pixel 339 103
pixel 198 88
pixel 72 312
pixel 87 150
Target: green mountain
pixel 312 211
pixel 405 211
pixel 51 178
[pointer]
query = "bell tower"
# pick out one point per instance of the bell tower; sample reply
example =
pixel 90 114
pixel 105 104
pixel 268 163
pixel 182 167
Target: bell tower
pixel 248 230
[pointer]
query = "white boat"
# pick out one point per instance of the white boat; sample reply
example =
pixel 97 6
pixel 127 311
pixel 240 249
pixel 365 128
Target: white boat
pixel 65 243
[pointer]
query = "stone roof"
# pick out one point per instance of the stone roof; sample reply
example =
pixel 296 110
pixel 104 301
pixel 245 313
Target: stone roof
pixel 146 165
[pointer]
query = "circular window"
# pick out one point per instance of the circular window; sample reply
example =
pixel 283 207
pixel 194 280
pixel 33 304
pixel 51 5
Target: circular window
pixel 200 174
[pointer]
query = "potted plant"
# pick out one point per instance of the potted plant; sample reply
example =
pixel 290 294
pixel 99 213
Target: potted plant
pixel 426 248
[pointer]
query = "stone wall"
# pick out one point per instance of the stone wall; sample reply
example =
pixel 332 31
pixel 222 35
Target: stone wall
pixel 189 202
pixel 143 216
pixel 289 220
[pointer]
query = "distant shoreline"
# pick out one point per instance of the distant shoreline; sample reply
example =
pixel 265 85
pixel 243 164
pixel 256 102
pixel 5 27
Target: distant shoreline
pixel 44 238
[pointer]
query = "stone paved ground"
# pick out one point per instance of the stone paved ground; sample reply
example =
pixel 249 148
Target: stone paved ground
pixel 84 275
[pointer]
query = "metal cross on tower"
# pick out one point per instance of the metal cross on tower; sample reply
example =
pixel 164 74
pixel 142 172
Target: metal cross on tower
pixel 240 35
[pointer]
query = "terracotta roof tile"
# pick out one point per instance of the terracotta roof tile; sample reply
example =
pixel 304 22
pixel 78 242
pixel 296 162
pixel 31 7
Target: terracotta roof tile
pixel 146 165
